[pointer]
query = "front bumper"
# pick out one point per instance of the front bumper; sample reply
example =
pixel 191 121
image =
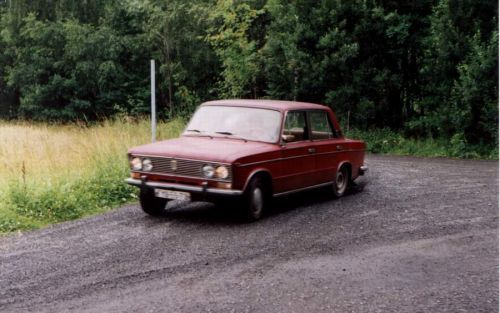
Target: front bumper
pixel 202 191
pixel 363 169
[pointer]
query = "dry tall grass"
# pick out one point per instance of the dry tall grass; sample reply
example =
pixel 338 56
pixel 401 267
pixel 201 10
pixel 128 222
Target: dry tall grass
pixel 38 159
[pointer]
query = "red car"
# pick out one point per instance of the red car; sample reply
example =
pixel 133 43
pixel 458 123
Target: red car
pixel 250 150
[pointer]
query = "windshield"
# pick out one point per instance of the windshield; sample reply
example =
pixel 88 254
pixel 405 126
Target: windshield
pixel 238 122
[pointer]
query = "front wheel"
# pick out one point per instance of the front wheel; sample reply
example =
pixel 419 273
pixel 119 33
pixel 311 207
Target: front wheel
pixel 341 182
pixel 150 204
pixel 255 200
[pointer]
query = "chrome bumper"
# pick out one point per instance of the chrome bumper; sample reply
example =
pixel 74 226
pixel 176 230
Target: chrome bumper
pixel 180 187
pixel 363 169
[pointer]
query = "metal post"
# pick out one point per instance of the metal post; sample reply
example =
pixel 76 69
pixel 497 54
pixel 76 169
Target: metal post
pixel 153 102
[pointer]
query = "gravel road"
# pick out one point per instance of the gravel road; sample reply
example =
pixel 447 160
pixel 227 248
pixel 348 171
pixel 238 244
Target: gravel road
pixel 415 235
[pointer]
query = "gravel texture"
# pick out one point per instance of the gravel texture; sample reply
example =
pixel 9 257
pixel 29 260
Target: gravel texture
pixel 414 235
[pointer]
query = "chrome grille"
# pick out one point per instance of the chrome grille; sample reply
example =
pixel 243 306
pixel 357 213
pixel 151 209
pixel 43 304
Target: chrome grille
pixel 189 168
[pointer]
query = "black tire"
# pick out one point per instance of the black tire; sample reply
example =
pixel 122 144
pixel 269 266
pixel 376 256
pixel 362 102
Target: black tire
pixel 150 204
pixel 341 181
pixel 255 200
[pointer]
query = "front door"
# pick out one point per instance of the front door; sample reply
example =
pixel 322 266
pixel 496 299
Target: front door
pixel 297 156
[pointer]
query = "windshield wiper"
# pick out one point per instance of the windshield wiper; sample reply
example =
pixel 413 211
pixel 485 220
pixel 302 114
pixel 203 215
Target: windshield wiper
pixel 201 132
pixel 232 135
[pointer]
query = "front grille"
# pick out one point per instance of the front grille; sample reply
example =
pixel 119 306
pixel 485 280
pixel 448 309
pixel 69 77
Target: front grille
pixel 188 168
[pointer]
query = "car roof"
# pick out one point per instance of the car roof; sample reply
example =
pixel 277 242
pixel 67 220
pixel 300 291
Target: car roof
pixel 266 104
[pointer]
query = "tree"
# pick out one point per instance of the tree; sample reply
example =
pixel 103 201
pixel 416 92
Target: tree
pixel 426 68
pixel 286 60
pixel 452 43
pixel 187 64
pixel 238 52
pixel 475 93
pixel 61 75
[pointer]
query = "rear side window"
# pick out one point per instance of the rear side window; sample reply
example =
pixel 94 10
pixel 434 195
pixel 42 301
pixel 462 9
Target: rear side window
pixel 321 128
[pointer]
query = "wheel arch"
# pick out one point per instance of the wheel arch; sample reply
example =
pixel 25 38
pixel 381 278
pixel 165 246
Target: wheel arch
pixel 347 164
pixel 266 176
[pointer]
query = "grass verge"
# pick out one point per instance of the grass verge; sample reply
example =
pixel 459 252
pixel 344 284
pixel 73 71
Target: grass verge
pixel 56 173
pixel 385 141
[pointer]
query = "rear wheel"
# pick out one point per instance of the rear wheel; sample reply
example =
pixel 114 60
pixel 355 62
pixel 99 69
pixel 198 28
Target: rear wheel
pixel 255 200
pixel 150 204
pixel 341 182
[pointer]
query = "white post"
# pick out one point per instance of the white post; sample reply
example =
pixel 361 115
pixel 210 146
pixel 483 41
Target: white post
pixel 153 102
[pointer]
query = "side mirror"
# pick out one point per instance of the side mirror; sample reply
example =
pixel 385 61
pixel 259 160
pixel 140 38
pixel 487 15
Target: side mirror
pixel 287 138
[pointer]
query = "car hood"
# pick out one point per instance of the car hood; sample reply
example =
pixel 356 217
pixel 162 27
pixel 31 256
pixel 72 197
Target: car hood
pixel 216 149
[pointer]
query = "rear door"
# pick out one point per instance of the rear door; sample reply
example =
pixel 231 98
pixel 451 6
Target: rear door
pixel 297 154
pixel 328 148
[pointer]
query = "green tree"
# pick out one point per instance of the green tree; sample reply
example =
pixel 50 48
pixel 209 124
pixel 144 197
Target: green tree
pixel 286 60
pixel 61 75
pixel 425 68
pixel 475 93
pixel 453 24
pixel 176 31
pixel 238 51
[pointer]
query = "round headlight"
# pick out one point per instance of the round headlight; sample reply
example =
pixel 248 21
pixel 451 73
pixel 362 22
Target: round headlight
pixel 147 165
pixel 136 164
pixel 222 172
pixel 208 171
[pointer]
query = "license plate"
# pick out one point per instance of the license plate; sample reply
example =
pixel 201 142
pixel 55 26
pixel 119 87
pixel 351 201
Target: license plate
pixel 174 195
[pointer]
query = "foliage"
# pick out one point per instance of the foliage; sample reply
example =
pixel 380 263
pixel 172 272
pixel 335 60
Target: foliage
pixel 386 141
pixel 62 74
pixel 232 41
pixel 474 95
pixel 459 69
pixel 176 37
pixel 427 69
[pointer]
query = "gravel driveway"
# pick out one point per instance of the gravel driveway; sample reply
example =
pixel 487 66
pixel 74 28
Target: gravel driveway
pixel 415 235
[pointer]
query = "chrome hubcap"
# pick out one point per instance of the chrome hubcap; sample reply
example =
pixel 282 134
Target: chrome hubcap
pixel 257 200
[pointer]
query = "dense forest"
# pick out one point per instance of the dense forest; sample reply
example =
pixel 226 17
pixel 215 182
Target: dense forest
pixel 424 68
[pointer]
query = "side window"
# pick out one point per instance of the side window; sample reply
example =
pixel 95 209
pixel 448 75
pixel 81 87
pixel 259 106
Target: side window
pixel 295 127
pixel 321 128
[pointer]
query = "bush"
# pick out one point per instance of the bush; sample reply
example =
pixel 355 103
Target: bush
pixel 389 142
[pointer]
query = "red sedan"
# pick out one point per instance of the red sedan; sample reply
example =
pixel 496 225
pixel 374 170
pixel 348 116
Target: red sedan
pixel 250 150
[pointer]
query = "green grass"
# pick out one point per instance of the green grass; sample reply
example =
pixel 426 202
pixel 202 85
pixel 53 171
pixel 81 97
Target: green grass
pixel 385 141
pixel 56 173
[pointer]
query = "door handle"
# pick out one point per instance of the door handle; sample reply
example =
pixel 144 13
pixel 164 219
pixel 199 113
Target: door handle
pixel 339 147
pixel 311 150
